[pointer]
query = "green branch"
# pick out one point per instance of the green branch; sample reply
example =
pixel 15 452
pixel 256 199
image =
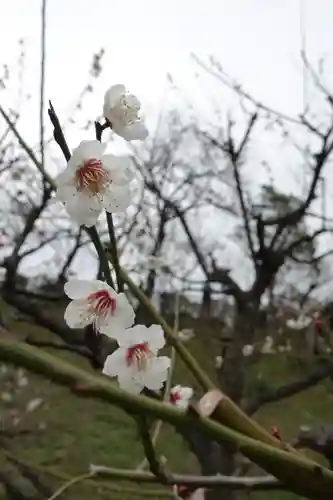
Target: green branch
pixel 300 475
pixel 227 412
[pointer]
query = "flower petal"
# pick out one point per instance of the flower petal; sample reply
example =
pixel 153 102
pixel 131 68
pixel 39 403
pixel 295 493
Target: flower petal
pixel 157 374
pixel 112 96
pixel 79 289
pixel 186 393
pixel 87 150
pixel 116 199
pixel 135 132
pixel 128 383
pixel 66 191
pixel 115 363
pixel 83 209
pixel 77 314
pixel 119 168
pixel 112 326
pixel 133 336
pixel 155 338
pixel 65 177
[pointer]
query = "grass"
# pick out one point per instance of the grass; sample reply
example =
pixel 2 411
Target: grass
pixel 68 433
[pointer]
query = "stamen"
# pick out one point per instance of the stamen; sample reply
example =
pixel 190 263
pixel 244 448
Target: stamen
pixel 101 303
pixel 126 111
pixel 138 356
pixel 174 397
pixel 91 176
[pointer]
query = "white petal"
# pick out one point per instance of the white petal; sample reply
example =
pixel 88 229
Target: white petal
pixel 125 309
pixel 128 383
pixel 117 199
pixel 87 219
pixel 112 326
pixel 77 314
pixel 112 96
pixel 132 336
pixel 84 209
pixel 119 168
pixel 133 101
pixel 135 132
pixel 88 150
pixel 65 192
pixel 155 338
pixel 79 289
pixel 65 177
pixel 102 285
pixel 186 393
pixel 115 363
pixel 157 374
pixel 182 403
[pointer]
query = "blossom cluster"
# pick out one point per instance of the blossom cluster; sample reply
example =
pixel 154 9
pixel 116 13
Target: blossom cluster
pixel 92 182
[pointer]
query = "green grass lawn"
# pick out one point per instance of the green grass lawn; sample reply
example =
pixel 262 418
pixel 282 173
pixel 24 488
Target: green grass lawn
pixel 69 433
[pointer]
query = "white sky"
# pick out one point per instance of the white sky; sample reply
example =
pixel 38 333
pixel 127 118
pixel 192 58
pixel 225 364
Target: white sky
pixel 256 41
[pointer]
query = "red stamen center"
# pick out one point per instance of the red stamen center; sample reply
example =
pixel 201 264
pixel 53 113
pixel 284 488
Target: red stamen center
pixel 101 303
pixel 183 491
pixel 91 176
pixel 138 356
pixel 174 397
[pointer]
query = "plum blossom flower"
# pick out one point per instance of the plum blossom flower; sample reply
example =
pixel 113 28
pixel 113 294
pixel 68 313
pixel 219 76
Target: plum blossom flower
pixel 219 362
pixel 268 346
pixel 180 396
pixel 121 109
pixel 186 334
pixel 33 404
pixel 247 350
pixel 95 302
pixel 299 323
pixel 93 181
pixel 135 363
pixel 181 492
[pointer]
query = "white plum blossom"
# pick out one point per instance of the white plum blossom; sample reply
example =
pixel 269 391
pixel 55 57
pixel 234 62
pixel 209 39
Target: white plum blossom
pixel 93 182
pixel 6 397
pixel 219 362
pixel 179 490
pixel 299 323
pixel 135 363
pixel 33 404
pixel 95 302
pixel 268 346
pixel 3 369
pixel 180 396
pixel 186 334
pixel 247 350
pixel 121 109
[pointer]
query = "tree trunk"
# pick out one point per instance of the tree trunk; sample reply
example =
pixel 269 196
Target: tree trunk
pixel 232 380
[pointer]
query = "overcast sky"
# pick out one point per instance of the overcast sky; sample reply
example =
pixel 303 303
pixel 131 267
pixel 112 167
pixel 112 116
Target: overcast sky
pixel 256 41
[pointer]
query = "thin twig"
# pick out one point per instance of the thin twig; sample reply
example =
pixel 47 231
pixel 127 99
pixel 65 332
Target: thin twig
pixel 155 465
pixel 71 482
pixel 114 251
pixel 42 81
pixel 92 231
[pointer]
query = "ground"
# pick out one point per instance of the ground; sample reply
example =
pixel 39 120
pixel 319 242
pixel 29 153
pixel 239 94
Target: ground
pixel 66 433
